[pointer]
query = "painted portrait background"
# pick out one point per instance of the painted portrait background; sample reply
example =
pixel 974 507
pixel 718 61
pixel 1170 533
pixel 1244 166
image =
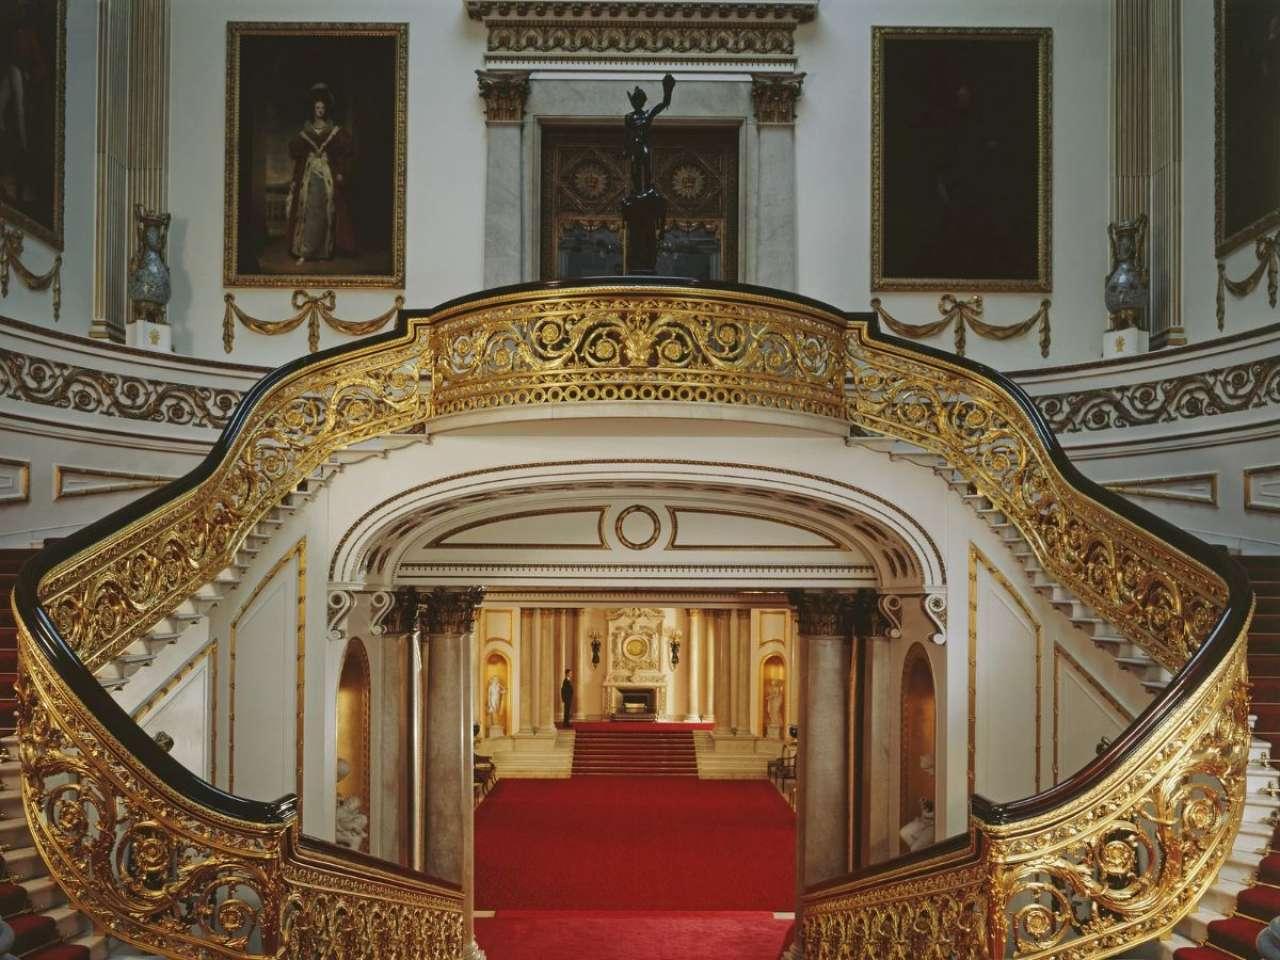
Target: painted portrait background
pixel 1247 93
pixel 33 71
pixel 275 75
pixel 961 169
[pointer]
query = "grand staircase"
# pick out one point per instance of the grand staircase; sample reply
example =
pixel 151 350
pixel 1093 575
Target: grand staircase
pixel 633 750
pixel 1246 894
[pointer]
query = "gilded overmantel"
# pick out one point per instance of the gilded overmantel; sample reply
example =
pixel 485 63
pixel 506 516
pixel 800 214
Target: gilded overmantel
pixel 652 36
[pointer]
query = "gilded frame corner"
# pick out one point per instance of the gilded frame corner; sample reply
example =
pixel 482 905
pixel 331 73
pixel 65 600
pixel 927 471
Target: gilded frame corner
pixel 1224 244
pixel 1043 281
pixel 52 234
pixel 231 275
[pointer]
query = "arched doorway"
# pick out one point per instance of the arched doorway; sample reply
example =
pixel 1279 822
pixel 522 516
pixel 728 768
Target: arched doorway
pixel 353 723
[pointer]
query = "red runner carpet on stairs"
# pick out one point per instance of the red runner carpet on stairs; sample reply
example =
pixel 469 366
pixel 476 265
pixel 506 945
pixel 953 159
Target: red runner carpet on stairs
pixel 1233 938
pixel 36 935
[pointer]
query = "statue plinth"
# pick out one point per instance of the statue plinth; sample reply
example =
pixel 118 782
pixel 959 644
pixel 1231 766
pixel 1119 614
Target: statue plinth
pixel 643 215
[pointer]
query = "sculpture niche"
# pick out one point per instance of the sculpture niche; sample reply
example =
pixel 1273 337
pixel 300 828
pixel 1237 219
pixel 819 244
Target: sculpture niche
pixel 644 209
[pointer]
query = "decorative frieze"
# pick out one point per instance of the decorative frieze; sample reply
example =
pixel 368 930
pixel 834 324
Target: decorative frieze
pixel 659 34
pixel 1206 393
pixel 774 96
pixel 83 389
pixel 505 93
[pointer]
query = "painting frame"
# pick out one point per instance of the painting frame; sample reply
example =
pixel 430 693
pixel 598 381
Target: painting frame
pixel 51 233
pixel 1225 239
pixel 883 276
pixel 234 274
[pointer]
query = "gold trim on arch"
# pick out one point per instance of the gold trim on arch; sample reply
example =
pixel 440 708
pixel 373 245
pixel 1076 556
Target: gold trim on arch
pixel 299 552
pixel 979 559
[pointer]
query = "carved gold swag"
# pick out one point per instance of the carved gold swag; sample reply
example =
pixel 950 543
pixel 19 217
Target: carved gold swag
pixel 11 244
pixel 967 314
pixel 1267 251
pixel 1090 878
pixel 308 309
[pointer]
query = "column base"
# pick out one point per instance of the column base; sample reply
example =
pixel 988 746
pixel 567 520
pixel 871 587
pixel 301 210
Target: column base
pixel 472 951
pixel 1131 342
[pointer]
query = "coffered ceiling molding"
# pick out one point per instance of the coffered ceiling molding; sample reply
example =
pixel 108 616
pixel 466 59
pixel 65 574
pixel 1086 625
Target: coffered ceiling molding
pixel 712 35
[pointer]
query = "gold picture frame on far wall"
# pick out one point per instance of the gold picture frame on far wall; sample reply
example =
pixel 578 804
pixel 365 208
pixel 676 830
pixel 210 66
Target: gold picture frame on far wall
pixel 315 154
pixel 1246 99
pixel 33 95
pixel 962 158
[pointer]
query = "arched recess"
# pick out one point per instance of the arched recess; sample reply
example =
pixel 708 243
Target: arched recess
pixel 352 744
pixel 773 696
pixel 918 748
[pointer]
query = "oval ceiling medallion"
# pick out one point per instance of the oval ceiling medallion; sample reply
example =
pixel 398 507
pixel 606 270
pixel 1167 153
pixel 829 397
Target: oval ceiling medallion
pixel 637 527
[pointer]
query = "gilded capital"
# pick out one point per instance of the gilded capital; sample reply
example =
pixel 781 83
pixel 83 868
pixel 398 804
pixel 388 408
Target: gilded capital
pixel 449 611
pixel 504 93
pixel 823 613
pixel 774 96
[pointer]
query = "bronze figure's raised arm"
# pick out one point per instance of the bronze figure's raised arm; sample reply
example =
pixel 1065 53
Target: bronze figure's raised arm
pixel 639 125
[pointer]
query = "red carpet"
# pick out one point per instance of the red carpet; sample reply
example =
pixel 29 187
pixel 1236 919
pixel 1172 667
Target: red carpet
pixel 634 750
pixel 1233 938
pixel 634 843
pixel 614 726
pixel 568 935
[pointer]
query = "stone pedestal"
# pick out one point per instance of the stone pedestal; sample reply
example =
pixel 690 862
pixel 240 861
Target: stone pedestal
pixel 1130 342
pixel 643 216
pixel 149 336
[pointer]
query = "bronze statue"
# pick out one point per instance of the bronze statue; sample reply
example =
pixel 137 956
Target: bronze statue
pixel 639 125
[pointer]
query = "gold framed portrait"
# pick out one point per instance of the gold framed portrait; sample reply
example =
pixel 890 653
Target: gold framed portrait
pixel 33 95
pixel 1246 121
pixel 962 158
pixel 315 154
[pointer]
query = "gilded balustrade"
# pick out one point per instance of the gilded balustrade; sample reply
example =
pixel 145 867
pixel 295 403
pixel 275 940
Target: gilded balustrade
pixel 1089 871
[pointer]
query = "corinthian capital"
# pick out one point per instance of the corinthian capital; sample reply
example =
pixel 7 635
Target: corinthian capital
pixel 504 93
pixel 823 613
pixel 775 96
pixel 450 611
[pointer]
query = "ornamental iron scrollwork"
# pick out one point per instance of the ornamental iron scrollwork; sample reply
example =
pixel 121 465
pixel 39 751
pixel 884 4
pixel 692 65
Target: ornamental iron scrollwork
pixel 1109 864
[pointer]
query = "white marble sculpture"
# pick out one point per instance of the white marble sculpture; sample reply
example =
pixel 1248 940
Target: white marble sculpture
pixel 493 702
pixel 920 832
pixel 351 826
pixel 773 708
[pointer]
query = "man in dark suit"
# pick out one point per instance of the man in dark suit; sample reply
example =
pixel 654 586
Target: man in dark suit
pixel 566 695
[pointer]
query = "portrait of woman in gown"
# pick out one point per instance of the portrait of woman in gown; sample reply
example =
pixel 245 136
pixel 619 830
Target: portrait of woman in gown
pixel 319 214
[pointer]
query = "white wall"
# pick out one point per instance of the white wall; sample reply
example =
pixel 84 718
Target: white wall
pixel 445 202
pixel 833 136
pixel 79 191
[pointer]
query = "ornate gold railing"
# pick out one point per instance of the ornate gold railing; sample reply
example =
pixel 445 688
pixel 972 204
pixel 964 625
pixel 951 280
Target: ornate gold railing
pixel 174 865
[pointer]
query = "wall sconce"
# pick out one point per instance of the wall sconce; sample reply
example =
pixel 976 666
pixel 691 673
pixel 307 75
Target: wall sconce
pixel 675 648
pixel 594 636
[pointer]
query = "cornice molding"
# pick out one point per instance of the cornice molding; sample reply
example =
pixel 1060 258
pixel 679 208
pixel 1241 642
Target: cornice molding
pixel 674 34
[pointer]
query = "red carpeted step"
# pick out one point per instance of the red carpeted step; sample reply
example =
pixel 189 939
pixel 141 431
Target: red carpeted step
pixel 1236 935
pixel 631 935
pixel 1263 664
pixel 1261 903
pixel 13 899
pixel 60 951
pixel 32 930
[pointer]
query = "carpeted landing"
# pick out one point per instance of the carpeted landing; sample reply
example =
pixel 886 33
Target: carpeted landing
pixel 615 868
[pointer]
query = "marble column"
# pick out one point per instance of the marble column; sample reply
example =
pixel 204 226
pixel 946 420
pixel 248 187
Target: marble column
pixel 504 93
pixel 723 673
pixel 581 665
pixel 450 849
pixel 774 97
pixel 548 682
pixel 528 648
pixel 711 623
pixel 697 629
pixel 823 760
pixel 742 668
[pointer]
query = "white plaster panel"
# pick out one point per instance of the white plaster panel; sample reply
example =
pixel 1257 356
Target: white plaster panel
pixel 186 714
pixel 265 691
pixel 1005 761
pixel 1084 716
